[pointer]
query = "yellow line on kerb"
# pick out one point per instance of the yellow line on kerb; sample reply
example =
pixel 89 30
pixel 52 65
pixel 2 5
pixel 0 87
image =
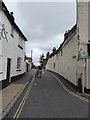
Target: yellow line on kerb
pixel 70 92
pixel 19 110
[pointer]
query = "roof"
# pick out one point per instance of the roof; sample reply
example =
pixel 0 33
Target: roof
pixel 73 29
pixel 11 19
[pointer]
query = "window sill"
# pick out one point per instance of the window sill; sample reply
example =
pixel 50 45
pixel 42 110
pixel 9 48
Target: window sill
pixel 12 35
pixel 18 70
pixel 20 47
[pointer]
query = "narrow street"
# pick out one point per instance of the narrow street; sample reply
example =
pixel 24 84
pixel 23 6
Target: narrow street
pixel 51 38
pixel 47 99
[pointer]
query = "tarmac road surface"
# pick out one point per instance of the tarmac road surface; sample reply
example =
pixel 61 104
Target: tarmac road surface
pixel 46 98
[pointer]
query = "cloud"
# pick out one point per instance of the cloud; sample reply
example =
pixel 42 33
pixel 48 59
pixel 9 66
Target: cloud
pixel 44 23
pixel 46 19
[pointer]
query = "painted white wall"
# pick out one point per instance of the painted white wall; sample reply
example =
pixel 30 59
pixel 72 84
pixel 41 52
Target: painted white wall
pixel 0 48
pixel 0 34
pixel 11 50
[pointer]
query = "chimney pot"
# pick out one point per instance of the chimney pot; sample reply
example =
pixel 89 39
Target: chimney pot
pixel 11 13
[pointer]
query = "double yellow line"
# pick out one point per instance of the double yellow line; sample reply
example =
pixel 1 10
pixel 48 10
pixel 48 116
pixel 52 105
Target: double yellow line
pixel 19 110
pixel 67 90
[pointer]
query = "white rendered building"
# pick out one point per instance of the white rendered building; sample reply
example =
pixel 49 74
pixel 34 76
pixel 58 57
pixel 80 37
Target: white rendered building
pixel 12 48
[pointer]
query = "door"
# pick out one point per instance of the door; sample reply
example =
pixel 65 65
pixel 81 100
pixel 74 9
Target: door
pixel 8 69
pixel 27 67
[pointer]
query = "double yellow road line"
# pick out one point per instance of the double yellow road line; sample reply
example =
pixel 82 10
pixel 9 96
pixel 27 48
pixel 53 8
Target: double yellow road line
pixel 19 110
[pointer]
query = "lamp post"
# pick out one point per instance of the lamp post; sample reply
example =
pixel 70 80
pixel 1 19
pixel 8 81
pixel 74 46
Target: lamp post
pixel 31 57
pixel 83 56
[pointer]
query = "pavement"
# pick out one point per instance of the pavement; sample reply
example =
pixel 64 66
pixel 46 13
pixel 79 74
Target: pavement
pixel 10 94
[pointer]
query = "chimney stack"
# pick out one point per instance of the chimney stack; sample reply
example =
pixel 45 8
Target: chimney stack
pixel 12 17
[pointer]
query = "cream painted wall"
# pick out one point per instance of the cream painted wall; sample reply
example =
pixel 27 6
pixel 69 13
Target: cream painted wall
pixel 67 62
pixel 82 21
pixel 66 65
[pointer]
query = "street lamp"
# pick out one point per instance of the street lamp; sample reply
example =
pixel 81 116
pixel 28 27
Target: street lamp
pixel 83 55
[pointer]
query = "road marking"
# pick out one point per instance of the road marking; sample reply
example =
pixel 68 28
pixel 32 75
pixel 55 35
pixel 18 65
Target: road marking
pixel 70 92
pixel 42 71
pixel 19 110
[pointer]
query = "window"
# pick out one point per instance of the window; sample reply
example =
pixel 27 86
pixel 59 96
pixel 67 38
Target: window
pixel 12 31
pixel 54 65
pixel 88 49
pixel 20 44
pixel 19 63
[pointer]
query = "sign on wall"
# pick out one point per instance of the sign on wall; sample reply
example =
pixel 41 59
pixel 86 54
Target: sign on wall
pixel 3 33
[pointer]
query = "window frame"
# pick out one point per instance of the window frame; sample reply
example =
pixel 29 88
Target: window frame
pixel 19 64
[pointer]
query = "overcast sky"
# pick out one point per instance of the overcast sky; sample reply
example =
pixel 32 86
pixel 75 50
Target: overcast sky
pixel 43 23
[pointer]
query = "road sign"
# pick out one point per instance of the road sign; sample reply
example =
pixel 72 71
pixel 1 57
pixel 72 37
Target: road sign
pixel 83 55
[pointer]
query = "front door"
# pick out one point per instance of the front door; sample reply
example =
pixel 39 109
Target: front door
pixel 8 69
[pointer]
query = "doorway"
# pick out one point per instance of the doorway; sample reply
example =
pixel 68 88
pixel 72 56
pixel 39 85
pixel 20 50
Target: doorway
pixel 79 85
pixel 8 69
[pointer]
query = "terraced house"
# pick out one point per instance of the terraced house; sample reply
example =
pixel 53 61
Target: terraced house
pixel 12 48
pixel 72 59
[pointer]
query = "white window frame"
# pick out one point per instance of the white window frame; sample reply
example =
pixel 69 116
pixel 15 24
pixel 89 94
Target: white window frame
pixel 19 63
